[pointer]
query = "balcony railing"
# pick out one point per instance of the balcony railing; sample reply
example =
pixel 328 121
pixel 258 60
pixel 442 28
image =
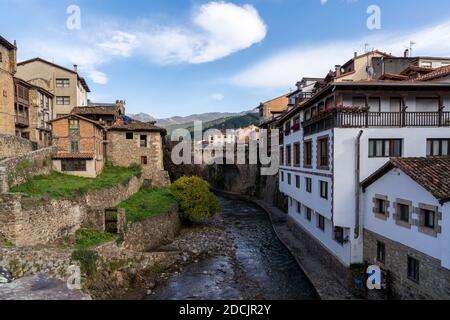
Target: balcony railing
pixel 360 119
pixel 22 121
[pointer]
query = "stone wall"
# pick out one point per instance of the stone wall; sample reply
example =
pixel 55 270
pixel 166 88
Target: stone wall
pixel 13 146
pixel 16 170
pixel 125 152
pixel 434 280
pixel 152 232
pixel 28 221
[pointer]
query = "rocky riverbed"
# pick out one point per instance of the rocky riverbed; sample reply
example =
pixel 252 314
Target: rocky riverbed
pixel 237 256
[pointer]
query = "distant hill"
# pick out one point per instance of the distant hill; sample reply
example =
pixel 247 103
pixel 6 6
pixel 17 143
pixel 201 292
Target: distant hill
pixel 236 122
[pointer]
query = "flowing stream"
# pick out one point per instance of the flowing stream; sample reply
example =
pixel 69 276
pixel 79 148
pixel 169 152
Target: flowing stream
pixel 261 269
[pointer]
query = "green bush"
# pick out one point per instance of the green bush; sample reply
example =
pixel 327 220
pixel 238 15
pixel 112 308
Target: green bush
pixel 195 200
pixel 86 239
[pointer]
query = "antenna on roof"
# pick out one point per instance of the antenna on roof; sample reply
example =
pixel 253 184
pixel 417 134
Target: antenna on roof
pixel 411 45
pixel 366 47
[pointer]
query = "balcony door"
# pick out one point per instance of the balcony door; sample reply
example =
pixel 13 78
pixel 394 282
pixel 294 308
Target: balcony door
pixel 395 105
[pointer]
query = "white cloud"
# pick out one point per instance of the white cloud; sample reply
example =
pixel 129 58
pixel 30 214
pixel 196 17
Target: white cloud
pixel 218 30
pixel 323 2
pixel 284 68
pixel 217 96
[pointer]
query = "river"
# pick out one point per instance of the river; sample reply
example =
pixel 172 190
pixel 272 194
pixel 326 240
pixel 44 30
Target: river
pixel 262 267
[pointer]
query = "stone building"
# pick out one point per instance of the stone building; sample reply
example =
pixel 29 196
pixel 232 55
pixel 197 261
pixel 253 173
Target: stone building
pixel 272 108
pixel 68 87
pixel 8 68
pixel 33 111
pixel 108 113
pixel 80 145
pixel 407 225
pixel 134 142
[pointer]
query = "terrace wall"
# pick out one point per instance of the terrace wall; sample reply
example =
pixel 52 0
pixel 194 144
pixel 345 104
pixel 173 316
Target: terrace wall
pixel 16 170
pixel 27 221
pixel 12 146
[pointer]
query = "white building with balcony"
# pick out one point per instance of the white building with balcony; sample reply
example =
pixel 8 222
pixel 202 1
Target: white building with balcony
pixel 342 135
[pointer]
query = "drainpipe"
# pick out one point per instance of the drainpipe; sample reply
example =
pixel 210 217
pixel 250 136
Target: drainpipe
pixel 357 189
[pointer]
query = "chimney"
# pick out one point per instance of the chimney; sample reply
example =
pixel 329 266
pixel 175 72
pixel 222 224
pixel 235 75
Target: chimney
pixel 406 54
pixel 75 68
pixel 338 70
pixel 356 54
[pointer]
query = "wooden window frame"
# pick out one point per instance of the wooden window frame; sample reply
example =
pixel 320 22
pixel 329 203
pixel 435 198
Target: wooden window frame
pixel 323 191
pixel 321 222
pixel 323 160
pixel 144 160
pixel 128 134
pixel 297 154
pixel 413 269
pixel 289 155
pixel 297 181
pixel 399 203
pixel 308 184
pixel 384 154
pixel 384 214
pixel 307 153
pixel 440 153
pixel 75 165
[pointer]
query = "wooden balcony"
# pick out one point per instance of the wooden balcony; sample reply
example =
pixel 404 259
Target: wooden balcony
pixel 360 119
pixel 22 121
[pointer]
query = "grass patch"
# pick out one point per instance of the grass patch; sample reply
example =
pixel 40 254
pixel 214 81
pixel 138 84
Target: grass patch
pixel 147 203
pixel 86 239
pixel 58 185
pixel 88 261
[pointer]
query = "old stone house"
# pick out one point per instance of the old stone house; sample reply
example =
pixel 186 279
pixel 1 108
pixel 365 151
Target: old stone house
pixel 8 68
pixel 134 142
pixel 108 113
pixel 407 225
pixel 80 145
pixel 33 111
pixel 68 87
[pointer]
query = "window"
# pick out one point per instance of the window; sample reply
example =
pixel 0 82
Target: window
pixel 324 189
pixel 385 148
pixel 74 124
pixel 143 141
pixel 359 102
pixel 299 207
pixel 297 154
pixel 438 147
pixel 287 128
pixel 427 104
pixel 296 125
pixel 374 104
pixel 381 205
pixel 339 235
pixel 381 252
pixel 297 182
pixel 282 156
pixel 321 222
pixel 129 135
pixel 288 156
pixel 74 146
pixel 282 176
pixel 413 269
pixel 308 185
pixel 308 153
pixel 322 152
pixel 427 64
pixel 144 160
pixel 309 213
pixel 73 165
pixel 403 211
pixel 63 101
pixel 428 218
pixel 62 83
pixel 289 178
pixel 1 57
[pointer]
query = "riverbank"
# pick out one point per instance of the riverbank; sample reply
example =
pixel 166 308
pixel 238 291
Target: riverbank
pixel 321 276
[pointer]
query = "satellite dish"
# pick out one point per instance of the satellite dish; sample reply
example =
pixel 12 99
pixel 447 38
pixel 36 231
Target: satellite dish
pixel 370 71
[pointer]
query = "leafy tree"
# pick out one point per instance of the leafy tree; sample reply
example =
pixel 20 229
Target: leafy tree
pixel 196 201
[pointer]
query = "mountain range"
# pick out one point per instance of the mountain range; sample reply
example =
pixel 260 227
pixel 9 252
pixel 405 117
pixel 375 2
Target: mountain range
pixel 177 120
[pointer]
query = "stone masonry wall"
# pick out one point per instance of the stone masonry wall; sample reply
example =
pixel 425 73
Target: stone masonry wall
pixel 28 221
pixel 153 232
pixel 125 152
pixel 16 170
pixel 12 146
pixel 434 280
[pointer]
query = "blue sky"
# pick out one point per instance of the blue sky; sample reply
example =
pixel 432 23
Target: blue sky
pixel 181 57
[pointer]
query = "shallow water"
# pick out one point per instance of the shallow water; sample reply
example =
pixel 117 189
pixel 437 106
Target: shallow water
pixel 263 267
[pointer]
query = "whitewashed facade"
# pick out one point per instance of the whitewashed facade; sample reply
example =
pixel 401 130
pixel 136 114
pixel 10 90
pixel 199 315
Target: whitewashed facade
pixel 329 191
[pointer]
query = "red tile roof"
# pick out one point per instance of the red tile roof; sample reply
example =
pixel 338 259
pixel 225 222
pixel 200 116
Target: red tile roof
pixel 96 110
pixel 433 174
pixel 135 125
pixel 438 73
pixel 74 155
